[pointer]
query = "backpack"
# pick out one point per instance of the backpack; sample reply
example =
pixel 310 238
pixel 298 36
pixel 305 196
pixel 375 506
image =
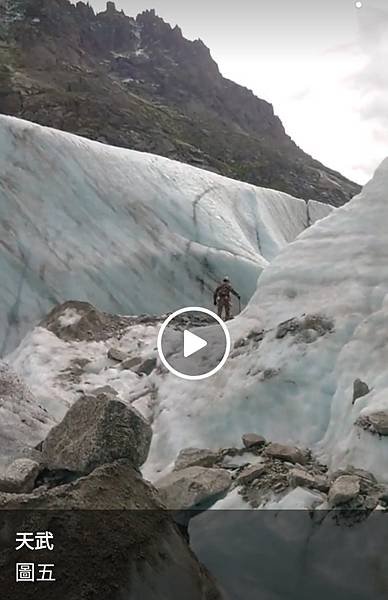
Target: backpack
pixel 224 291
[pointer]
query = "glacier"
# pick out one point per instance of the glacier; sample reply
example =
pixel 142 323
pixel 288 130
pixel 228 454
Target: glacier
pixel 300 391
pixel 131 232
pixel 287 388
pixel 135 233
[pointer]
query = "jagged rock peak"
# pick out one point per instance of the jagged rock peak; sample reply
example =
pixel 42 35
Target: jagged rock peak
pixel 148 19
pixel 112 10
pixel 85 9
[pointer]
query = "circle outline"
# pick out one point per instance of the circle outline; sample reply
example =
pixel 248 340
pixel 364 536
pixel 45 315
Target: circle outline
pixel 168 321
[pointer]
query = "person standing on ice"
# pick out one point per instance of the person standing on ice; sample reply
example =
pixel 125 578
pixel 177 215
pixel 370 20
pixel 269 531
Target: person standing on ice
pixel 222 298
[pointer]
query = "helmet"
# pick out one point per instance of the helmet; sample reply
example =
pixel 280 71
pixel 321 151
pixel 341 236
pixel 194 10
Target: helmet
pixel 226 279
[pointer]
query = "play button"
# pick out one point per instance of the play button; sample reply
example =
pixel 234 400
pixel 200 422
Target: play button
pixel 193 343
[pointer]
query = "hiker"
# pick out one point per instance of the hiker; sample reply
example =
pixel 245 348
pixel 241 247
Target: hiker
pixel 222 298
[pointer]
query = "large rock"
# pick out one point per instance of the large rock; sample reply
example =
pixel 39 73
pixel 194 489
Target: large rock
pixel 193 487
pixel 287 453
pixel 117 355
pixel 146 367
pixel 298 477
pixel 130 363
pixel 376 422
pixel 20 476
pixel 362 474
pixel 80 321
pixel 96 431
pixel 344 489
pixel 196 457
pixel 251 473
pixel 252 440
pixel 111 540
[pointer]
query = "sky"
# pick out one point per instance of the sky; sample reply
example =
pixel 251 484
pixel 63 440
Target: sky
pixel 321 63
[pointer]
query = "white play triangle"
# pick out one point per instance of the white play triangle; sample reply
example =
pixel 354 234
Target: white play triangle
pixel 192 343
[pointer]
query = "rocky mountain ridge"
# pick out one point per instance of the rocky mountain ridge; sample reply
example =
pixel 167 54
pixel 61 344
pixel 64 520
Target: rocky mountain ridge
pixel 138 83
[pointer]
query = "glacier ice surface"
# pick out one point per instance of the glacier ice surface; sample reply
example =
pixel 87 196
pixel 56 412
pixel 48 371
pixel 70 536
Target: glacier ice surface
pixel 130 232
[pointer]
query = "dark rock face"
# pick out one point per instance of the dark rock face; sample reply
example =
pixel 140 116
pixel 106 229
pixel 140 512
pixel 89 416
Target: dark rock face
pixel 138 83
pixel 360 389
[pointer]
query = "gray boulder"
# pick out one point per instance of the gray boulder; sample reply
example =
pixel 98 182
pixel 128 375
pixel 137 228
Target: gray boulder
pixel 290 454
pixel 146 367
pixel 344 489
pixel 193 487
pixel 80 321
pixel 252 440
pixel 351 470
pixel 96 431
pixel 251 473
pixel 20 476
pixel 298 477
pixel 117 355
pixel 379 422
pixel 130 363
pixel 196 457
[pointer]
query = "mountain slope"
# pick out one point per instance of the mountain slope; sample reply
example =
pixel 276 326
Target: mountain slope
pixel 138 83
pixel 131 232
